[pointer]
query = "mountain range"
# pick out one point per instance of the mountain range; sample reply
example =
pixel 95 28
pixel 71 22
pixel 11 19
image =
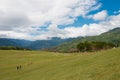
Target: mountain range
pixel 34 45
pixel 62 45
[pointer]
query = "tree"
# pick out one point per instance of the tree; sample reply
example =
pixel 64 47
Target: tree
pixel 94 46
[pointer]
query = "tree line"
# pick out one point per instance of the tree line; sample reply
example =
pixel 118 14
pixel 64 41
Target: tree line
pixel 12 48
pixel 94 46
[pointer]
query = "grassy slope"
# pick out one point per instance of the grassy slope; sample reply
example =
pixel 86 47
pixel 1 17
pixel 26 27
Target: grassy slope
pixel 103 65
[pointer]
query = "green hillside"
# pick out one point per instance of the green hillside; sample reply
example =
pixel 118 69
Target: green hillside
pixel 36 65
pixel 112 36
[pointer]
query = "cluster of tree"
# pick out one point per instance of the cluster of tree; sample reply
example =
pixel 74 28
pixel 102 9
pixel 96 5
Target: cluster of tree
pixel 12 48
pixel 94 46
pixel 116 42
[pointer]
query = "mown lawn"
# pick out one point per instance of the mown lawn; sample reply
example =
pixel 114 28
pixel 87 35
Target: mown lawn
pixel 38 65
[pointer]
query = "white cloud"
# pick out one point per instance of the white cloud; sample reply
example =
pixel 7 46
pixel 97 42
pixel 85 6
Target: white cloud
pixel 99 16
pixel 17 17
pixel 85 30
pixel 21 18
pixel 42 11
pixel 94 28
pixel 68 32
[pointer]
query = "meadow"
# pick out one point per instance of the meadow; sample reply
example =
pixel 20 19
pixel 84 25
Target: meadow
pixel 40 65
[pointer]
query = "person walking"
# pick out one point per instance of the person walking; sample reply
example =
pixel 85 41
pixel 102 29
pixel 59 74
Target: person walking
pixel 17 67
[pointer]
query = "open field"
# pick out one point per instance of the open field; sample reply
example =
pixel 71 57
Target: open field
pixel 37 65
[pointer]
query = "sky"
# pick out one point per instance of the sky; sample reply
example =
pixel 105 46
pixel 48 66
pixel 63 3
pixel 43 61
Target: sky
pixel 44 19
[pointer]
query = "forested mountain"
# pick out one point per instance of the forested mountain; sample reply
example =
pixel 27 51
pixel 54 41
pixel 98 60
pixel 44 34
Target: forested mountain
pixel 14 42
pixel 112 36
pixel 7 42
pixel 42 44
pixel 35 45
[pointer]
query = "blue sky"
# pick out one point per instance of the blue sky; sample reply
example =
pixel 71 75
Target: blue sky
pixel 43 19
pixel 110 6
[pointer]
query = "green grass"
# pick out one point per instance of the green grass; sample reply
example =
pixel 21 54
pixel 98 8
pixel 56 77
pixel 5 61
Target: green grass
pixel 103 65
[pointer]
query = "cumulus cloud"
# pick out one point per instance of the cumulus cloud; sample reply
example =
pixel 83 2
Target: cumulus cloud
pixel 95 28
pixel 21 18
pixel 41 11
pixel 69 32
pixel 92 29
pixel 10 21
pixel 86 30
pixel 99 16
pixel 24 19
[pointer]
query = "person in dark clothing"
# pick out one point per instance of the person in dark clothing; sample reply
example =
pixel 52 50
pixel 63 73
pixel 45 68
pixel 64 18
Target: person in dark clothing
pixel 20 66
pixel 17 67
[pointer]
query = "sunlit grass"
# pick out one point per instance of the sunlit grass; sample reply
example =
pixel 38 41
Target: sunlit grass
pixel 38 65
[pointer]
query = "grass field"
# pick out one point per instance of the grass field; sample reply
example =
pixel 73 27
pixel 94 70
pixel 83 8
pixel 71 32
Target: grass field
pixel 103 65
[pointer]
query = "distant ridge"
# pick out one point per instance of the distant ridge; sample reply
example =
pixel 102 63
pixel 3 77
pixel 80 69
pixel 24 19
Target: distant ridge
pixel 42 44
pixel 34 45
pixel 14 42
pixel 7 42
